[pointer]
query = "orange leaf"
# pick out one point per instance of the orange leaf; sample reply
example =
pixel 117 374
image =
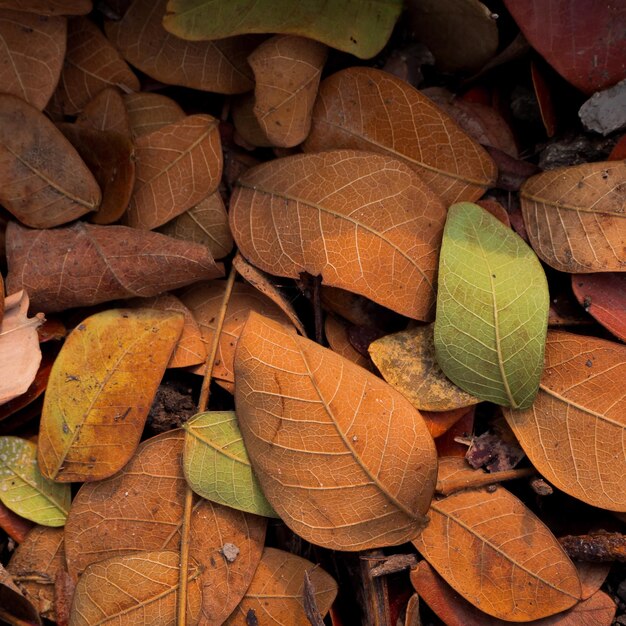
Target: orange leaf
pixel 336 332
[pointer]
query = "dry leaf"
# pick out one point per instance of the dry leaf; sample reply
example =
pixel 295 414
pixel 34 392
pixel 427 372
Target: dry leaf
pixel 20 354
pixel 249 134
pixel 367 109
pixel 31 56
pixel 111 158
pixel 440 422
pixel 49 7
pixel 13 605
pixel 364 222
pixel 107 111
pixel 343 458
pixel 287 70
pixel 494 552
pixel 148 112
pixel 82 265
pixel 336 331
pixel 177 166
pixel 91 64
pixel 100 390
pixel 141 508
pixel 407 362
pixel 218 66
pixel 43 180
pixel 573 434
pixel 205 223
pixel 135 589
pixel 575 217
pixel 277 591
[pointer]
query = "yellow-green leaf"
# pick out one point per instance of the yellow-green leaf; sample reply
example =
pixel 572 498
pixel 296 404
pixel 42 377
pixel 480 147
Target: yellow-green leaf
pixel 492 309
pixel 24 490
pixel 217 466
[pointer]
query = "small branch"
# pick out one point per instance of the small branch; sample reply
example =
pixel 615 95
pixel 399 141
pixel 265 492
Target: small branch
pixel 602 547
pixel 472 481
pixel 310 605
pixel 394 563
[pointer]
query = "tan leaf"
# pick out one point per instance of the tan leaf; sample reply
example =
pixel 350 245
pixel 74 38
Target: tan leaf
pixel 218 66
pixel 277 591
pixel 49 7
pixel 31 55
pixel 343 458
pixel 107 111
pixel 364 222
pixel 205 223
pixel 336 332
pixel 20 354
pixel 85 264
pixel 367 109
pixel 91 64
pixel 577 423
pixel 204 301
pixel 43 180
pixel 498 555
pixel 287 70
pixel 148 112
pixel 141 508
pixel 135 589
pixel 408 363
pixel 576 217
pixel 177 166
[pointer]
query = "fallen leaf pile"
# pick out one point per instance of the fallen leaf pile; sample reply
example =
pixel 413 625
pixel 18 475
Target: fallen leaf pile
pixel 380 310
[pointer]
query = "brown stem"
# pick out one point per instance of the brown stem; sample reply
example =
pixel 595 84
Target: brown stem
pixel 445 488
pixel 601 547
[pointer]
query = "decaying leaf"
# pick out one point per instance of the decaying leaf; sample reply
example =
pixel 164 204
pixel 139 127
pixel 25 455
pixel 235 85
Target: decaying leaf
pixel 100 391
pixel 141 508
pixel 287 71
pixel 13 605
pixel 86 264
pixel 24 489
pixel 573 432
pixel 20 354
pixel 217 466
pixel 277 591
pixel 367 109
pixel 177 166
pixel 364 222
pixel 148 112
pixel 407 362
pixel 31 56
pixel 43 181
pixel 492 309
pixel 360 27
pixel 107 111
pixel 218 66
pixel 493 551
pixel 134 589
pixel 576 217
pixel 330 443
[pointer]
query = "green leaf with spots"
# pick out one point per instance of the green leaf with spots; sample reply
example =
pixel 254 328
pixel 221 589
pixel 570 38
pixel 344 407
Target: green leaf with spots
pixel 492 309
pixel 361 27
pixel 24 490
pixel 216 463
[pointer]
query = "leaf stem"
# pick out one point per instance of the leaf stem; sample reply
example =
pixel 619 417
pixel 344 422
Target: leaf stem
pixel 184 559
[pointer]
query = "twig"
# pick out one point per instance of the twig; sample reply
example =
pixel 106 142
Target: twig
pixel 602 547
pixel 447 487
pixel 393 563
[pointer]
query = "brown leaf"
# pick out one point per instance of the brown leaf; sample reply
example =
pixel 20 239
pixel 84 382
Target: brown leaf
pixel 177 166
pixel 148 112
pixel 83 264
pixel 141 508
pixel 276 592
pixel 440 422
pixel 488 546
pixel 20 354
pixel 336 331
pixel 407 362
pixel 364 222
pixel 218 66
pixel 205 223
pixel 249 134
pixel 13 604
pixel 64 588
pixel 111 158
pixel 287 70
pixel 31 57
pixel 496 209
pixel 343 458
pixel 367 109
pixel 575 217
pixel 34 566
pixel 604 297
pixel 43 180
pixel 49 7
pixel 134 589
pixel 107 111
pixel 573 433
pixel 13 525
pixel 358 310
pixel 204 301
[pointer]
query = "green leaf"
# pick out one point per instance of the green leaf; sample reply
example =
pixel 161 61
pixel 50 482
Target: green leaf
pixel 217 466
pixel 492 309
pixel 24 490
pixel 361 27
